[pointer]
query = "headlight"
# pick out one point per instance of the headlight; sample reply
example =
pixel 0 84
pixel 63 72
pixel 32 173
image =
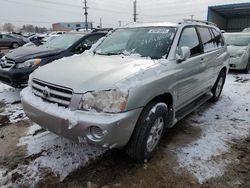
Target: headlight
pixel 241 52
pixel 29 63
pixel 3 58
pixel 113 101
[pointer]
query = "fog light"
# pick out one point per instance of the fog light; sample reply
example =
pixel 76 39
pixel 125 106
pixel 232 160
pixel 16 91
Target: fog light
pixel 96 133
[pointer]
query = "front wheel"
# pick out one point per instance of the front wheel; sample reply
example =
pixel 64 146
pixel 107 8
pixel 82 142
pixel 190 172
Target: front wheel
pixel 14 45
pixel 149 129
pixel 246 70
pixel 218 87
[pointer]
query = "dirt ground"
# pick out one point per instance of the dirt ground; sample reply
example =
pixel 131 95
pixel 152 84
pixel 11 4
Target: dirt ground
pixel 209 148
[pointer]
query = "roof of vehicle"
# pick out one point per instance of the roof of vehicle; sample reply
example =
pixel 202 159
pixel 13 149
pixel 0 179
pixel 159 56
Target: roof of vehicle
pixel 171 24
pixel 159 24
pixel 238 33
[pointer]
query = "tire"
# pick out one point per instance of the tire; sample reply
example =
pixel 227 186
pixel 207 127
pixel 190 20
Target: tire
pixel 14 45
pixel 246 70
pixel 218 87
pixel 149 129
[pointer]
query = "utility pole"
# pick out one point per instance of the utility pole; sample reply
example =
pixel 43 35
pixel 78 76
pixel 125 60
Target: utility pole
pixel 135 11
pixel 86 14
pixel 192 16
pixel 120 23
pixel 100 22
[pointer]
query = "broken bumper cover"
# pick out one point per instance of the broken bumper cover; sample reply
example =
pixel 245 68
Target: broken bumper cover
pixel 76 125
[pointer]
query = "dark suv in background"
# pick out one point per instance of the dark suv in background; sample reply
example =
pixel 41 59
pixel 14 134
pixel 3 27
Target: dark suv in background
pixel 12 41
pixel 16 65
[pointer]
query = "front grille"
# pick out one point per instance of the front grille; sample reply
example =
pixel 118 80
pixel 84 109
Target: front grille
pixel 7 63
pixel 52 93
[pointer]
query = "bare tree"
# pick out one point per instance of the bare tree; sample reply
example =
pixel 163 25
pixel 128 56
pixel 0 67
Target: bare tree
pixel 8 27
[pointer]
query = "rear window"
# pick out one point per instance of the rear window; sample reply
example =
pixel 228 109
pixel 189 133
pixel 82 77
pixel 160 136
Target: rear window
pixel 206 38
pixel 217 40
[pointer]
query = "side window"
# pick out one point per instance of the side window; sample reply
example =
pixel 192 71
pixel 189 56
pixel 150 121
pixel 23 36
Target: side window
pixel 91 40
pixel 206 38
pixel 7 37
pixel 1 36
pixel 190 39
pixel 218 41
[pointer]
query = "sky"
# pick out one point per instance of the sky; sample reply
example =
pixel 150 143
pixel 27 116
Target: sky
pixel 46 12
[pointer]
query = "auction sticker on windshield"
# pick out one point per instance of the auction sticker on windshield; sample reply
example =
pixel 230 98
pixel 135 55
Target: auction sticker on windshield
pixel 163 30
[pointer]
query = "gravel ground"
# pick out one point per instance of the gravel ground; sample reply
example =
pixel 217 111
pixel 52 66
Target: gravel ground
pixel 209 148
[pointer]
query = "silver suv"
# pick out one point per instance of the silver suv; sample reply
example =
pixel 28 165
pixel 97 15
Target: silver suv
pixel 131 87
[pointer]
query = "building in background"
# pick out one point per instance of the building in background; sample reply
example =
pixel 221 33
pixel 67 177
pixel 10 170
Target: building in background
pixel 68 26
pixel 231 18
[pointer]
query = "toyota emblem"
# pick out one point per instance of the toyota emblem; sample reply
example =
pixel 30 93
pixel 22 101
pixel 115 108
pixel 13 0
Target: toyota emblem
pixel 46 92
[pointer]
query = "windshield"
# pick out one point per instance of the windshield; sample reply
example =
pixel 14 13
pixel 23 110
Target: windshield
pixel 63 41
pixel 152 42
pixel 237 40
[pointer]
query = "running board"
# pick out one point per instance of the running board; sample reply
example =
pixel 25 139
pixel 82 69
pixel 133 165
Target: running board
pixel 180 114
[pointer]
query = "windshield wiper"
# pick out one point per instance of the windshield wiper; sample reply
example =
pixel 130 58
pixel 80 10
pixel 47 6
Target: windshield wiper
pixel 110 53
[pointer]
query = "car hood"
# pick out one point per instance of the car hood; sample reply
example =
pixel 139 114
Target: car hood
pixel 25 53
pixel 84 73
pixel 234 50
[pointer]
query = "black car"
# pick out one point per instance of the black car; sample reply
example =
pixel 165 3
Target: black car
pixel 36 40
pixel 1 54
pixel 16 66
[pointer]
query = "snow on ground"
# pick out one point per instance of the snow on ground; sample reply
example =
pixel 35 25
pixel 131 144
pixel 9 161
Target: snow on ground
pixel 60 155
pixel 11 98
pixel 48 151
pixel 221 124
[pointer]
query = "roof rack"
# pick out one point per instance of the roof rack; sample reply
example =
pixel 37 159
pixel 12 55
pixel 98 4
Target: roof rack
pixel 199 21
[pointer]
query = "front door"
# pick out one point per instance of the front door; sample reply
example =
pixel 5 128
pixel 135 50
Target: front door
pixel 190 72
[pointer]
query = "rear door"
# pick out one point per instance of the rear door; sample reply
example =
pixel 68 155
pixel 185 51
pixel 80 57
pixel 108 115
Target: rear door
pixel 190 74
pixel 212 48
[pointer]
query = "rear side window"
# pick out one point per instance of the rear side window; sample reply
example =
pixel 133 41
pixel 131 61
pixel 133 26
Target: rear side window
pixel 206 38
pixel 218 41
pixel 190 39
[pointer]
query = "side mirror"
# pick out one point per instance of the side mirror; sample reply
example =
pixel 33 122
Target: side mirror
pixel 183 54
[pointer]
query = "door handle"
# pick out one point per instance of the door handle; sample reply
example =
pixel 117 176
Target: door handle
pixel 202 60
pixel 218 54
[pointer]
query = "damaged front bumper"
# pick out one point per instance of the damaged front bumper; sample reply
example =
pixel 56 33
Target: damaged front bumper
pixel 99 129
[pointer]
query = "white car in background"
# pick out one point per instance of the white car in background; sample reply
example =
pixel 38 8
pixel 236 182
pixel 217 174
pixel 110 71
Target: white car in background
pixel 246 30
pixel 238 45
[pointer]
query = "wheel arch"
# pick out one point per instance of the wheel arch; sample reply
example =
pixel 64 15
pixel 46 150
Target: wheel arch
pixel 168 99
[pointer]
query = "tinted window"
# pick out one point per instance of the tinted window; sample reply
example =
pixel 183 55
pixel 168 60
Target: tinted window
pixel 207 39
pixel 190 39
pixel 91 40
pixel 218 41
pixel 1 36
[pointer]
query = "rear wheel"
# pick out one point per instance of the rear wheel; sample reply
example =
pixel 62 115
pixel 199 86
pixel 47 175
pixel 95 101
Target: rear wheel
pixel 14 45
pixel 148 131
pixel 218 87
